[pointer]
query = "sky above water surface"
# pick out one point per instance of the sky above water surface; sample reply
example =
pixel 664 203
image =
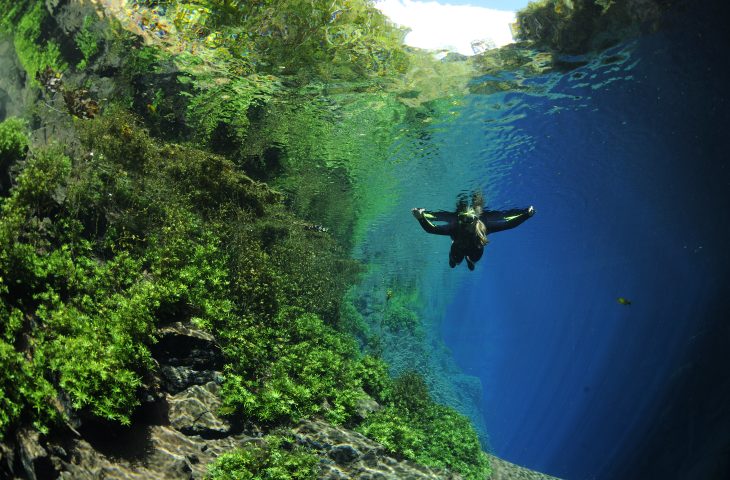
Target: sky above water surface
pixel 453 25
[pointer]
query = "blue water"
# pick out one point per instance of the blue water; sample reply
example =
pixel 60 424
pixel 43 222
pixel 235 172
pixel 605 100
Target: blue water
pixel 627 167
pixel 626 162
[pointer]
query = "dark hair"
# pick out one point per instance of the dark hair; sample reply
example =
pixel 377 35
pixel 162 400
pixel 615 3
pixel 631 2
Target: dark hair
pixel 477 201
pixel 462 204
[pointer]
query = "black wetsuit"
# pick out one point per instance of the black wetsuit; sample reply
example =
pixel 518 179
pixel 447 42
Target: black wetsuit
pixel 464 242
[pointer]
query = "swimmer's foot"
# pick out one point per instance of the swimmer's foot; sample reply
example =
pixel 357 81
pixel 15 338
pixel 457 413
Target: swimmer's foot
pixel 469 263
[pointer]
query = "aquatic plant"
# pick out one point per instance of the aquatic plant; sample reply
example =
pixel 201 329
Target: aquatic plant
pixel 290 367
pixel 375 377
pixel 98 249
pixel 25 20
pixel 87 41
pixel 13 146
pixel 276 457
pixel 412 425
pixel 71 318
pixel 400 316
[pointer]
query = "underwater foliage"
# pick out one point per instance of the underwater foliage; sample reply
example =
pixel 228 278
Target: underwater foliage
pixel 375 378
pixel 302 37
pixel 25 20
pixel 87 42
pixel 73 321
pixel 13 146
pixel 413 426
pixel 577 26
pixel 276 458
pixel 290 367
pixel 98 249
pixel 399 314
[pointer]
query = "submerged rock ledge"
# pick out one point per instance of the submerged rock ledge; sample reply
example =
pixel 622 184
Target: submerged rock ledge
pixel 178 432
pixel 504 470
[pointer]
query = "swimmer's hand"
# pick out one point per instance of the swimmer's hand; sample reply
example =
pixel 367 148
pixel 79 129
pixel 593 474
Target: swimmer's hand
pixel 418 212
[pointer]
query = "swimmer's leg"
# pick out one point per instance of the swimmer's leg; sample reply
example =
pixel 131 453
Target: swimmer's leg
pixel 474 257
pixel 455 255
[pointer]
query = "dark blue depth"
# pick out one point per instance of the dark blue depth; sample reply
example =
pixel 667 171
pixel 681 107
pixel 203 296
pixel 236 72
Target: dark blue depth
pixel 631 181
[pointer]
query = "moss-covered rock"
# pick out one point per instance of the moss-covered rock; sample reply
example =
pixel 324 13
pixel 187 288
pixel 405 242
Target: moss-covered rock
pixel 413 426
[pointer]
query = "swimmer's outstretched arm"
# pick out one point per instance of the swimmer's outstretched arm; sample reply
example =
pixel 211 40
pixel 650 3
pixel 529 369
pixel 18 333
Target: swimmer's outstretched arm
pixel 425 217
pixel 496 221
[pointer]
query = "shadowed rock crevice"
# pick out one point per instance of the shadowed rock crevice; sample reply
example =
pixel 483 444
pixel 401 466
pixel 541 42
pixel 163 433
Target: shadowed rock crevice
pixel 187 357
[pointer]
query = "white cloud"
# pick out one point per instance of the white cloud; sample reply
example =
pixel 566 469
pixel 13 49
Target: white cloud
pixel 436 26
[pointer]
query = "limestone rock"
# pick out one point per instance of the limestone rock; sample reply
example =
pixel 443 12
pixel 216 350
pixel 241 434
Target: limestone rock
pixel 7 459
pixel 366 405
pixel 169 454
pixel 177 379
pixel 504 470
pixel 12 81
pixel 32 453
pixel 188 356
pixel 193 412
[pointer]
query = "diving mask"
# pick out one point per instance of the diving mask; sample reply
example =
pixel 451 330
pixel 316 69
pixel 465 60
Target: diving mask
pixel 468 217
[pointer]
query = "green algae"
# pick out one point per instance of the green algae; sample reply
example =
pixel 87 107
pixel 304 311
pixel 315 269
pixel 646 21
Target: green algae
pixel 411 424
pixel 276 458
pixel 87 41
pixel 34 54
pixel 13 146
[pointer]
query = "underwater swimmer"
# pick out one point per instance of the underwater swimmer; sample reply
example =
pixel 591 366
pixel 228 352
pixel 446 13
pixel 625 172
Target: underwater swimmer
pixel 468 226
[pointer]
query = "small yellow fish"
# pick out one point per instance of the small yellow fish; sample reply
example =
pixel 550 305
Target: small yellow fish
pixel 389 294
pixel 623 301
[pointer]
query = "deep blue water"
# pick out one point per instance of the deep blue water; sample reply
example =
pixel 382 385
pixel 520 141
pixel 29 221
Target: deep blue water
pixel 627 166
pixel 626 162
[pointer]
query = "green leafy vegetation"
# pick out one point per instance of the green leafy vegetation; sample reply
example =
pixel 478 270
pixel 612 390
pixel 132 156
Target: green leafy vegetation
pixel 277 458
pixel 413 426
pixel 304 37
pixel 79 323
pixel 10 12
pixel 34 51
pixel 120 230
pixel 399 315
pixel 13 146
pixel 292 367
pixel 99 249
pixel 87 41
pixel 376 380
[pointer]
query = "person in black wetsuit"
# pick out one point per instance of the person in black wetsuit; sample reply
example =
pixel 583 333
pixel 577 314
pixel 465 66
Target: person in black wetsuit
pixel 468 227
